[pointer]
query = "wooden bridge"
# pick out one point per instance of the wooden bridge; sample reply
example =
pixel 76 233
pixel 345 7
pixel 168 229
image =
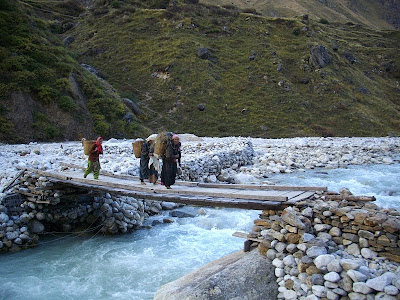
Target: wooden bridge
pixel 258 197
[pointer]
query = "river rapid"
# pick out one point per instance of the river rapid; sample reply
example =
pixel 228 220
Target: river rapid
pixel 133 266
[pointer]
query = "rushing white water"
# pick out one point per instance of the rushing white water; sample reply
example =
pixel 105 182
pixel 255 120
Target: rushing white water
pixel 130 266
pixel 133 266
pixel 381 181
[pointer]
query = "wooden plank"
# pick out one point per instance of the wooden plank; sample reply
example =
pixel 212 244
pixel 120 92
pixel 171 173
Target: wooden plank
pixel 192 191
pixel 262 187
pixel 350 198
pixel 27 194
pixel 102 172
pixel 301 197
pixel 292 194
pixel 45 188
pixel 219 202
pixel 244 235
pixel 43 202
pixel 16 177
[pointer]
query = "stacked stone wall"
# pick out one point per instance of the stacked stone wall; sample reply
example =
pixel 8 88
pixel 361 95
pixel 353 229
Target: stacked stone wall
pixel 49 208
pixel 332 250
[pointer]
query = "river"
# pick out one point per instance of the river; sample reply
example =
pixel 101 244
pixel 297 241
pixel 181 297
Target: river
pixel 133 266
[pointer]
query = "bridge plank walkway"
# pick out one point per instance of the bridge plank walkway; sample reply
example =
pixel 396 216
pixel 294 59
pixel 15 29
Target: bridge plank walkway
pixel 193 193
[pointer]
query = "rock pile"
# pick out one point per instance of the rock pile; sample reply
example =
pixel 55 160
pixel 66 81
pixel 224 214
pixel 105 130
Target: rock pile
pixel 211 159
pixel 288 155
pixel 50 208
pixel 216 164
pixel 332 250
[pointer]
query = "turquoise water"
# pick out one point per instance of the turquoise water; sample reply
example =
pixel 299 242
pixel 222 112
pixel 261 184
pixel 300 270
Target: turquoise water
pixel 133 266
pixel 129 266
pixel 381 181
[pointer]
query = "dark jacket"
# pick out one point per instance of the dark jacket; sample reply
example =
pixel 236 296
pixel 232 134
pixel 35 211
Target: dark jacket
pixel 94 152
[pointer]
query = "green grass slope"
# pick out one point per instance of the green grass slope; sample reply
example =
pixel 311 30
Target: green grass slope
pixel 45 95
pixel 371 13
pixel 257 79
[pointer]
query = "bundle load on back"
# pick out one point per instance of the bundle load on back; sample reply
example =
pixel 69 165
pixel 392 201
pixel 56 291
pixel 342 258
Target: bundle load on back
pixel 137 147
pixel 161 142
pixel 87 144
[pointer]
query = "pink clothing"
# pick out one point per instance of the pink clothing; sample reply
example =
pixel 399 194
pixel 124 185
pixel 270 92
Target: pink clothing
pixel 99 147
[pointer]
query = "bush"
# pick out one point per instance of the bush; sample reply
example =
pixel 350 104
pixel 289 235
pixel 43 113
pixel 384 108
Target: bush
pixel 159 4
pixel 323 21
pixel 63 84
pixel 101 127
pixel 64 68
pixel 115 4
pixel 52 132
pixel 46 94
pixel 67 104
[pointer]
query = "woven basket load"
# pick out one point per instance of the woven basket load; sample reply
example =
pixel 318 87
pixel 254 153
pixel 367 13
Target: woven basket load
pixel 160 144
pixel 87 144
pixel 137 147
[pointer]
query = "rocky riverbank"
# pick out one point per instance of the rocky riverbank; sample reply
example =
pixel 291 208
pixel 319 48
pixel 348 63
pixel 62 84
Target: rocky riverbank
pixel 320 250
pixel 204 159
pixel 332 250
pixel 235 160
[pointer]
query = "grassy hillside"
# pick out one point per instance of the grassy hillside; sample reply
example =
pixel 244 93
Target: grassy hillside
pixel 192 67
pixel 257 79
pixel 45 94
pixel 371 13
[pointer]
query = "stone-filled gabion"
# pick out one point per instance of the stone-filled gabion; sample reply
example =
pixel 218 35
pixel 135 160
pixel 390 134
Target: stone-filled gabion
pixel 58 212
pixel 332 250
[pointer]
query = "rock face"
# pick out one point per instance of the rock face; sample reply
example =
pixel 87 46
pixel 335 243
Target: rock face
pixel 236 276
pixel 319 56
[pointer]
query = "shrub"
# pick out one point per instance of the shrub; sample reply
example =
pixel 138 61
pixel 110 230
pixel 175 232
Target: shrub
pixel 64 68
pixel 323 21
pixel 67 104
pixel 52 132
pixel 296 31
pixel 115 4
pixel 63 84
pixel 159 4
pixel 101 127
pixel 46 94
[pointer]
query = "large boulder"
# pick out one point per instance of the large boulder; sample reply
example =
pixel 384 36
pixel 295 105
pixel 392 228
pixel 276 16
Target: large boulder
pixel 319 56
pixel 36 226
pixel 241 275
pixel 203 53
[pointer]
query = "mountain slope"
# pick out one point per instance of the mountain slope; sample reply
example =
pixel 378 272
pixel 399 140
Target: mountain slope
pixel 376 14
pixel 256 78
pixel 189 67
pixel 45 94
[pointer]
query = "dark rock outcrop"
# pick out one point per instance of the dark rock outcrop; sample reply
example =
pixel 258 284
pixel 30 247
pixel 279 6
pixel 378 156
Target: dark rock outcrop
pixel 319 56
pixel 203 53
pixel 132 106
pixel 350 57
